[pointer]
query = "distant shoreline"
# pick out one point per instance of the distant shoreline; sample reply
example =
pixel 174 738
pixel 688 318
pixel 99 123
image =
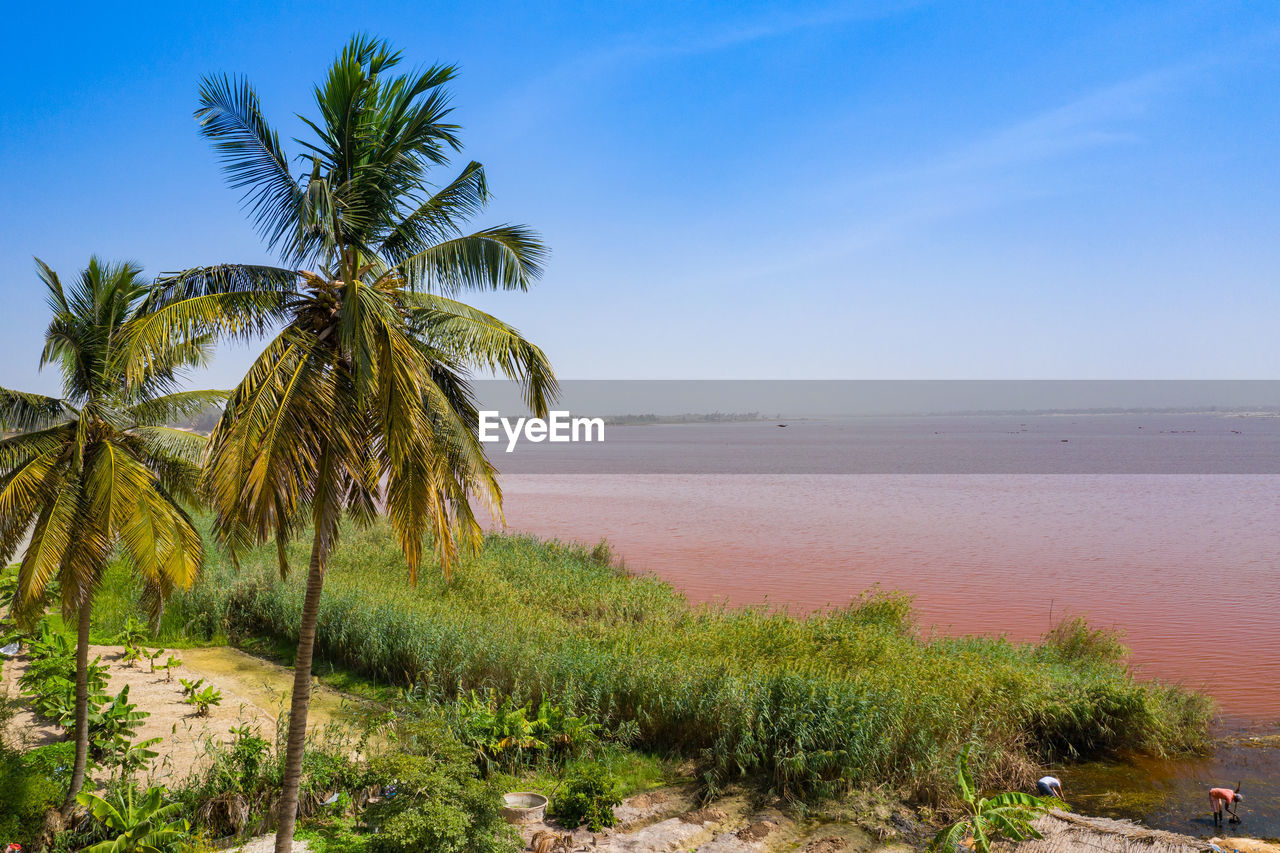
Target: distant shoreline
pixel 753 417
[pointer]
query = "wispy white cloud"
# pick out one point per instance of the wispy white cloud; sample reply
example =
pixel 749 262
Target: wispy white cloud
pixel 780 24
pixel 637 49
pixel 1101 118
pixel 1018 161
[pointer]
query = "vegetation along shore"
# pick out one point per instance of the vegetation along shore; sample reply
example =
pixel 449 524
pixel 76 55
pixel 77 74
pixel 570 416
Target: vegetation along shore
pixel 328 521
pixel 539 661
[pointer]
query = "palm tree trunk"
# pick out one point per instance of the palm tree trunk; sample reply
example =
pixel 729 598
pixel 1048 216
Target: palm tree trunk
pixel 82 705
pixel 287 809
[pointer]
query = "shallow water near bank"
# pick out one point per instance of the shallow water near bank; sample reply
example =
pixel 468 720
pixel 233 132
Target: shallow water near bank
pixel 268 685
pixel 1173 794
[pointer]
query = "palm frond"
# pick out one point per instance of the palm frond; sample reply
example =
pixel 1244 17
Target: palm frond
pixel 57 297
pixel 175 407
pixel 48 553
pixel 265 451
pixel 26 488
pixel 439 217
pixel 20 410
pixel 231 117
pixel 229 301
pixel 168 445
pixel 505 257
pixel 480 340
pixel 18 449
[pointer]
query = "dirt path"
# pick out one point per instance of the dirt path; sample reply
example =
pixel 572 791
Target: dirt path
pixel 266 844
pixel 253 691
pixel 669 820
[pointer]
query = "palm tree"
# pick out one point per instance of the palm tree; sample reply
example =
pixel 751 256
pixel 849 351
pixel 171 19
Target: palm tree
pixel 360 403
pixel 97 468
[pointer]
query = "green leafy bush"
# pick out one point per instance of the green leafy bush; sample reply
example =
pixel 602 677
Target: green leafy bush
pixel 590 793
pixel 236 784
pixel 434 798
pixel 50 678
pixel 238 781
pixel 511 735
pixel 249 756
pixel 25 796
pixel 31 783
pixel 53 760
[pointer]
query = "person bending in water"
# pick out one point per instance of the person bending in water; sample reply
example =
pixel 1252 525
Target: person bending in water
pixel 1049 786
pixel 1224 798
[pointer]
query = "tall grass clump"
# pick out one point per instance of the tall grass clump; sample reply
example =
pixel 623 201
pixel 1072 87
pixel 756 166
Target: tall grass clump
pixel 807 705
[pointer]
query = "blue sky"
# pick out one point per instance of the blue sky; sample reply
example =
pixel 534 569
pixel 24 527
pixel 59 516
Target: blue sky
pixel 731 190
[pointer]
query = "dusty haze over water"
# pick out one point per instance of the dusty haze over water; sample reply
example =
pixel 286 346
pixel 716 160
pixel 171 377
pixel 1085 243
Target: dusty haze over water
pixel 1162 525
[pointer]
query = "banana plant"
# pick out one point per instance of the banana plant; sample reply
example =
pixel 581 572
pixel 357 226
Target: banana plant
pixel 168 667
pixel 114 723
pixel 143 825
pixel 1006 816
pixel 561 729
pixel 204 700
pixel 50 676
pixel 190 686
pixel 132 634
pixel 129 757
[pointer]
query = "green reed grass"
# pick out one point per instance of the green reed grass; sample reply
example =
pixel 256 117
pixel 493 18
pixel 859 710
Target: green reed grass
pixel 805 705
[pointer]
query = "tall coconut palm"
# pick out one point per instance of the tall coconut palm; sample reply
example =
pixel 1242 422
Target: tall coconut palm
pixel 360 403
pixel 98 468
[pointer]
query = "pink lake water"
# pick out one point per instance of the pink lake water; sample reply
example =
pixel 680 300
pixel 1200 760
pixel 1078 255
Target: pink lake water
pixel 996 527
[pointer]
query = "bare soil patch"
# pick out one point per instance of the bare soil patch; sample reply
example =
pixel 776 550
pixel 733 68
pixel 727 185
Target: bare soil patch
pixel 254 691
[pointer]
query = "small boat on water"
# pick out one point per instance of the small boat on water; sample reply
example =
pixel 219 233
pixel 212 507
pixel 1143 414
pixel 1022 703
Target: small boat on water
pixel 782 426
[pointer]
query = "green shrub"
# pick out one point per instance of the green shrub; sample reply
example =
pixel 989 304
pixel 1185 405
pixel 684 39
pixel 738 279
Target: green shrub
pixel 247 759
pixel 50 677
pixel 505 734
pixel 235 784
pixel 53 760
pixel 590 793
pixel 237 781
pixel 438 803
pixel 25 796
pixel 1073 640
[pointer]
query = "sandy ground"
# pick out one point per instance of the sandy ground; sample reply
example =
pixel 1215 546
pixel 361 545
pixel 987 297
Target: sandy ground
pixel 1247 845
pixel 266 844
pixel 669 821
pixel 253 691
